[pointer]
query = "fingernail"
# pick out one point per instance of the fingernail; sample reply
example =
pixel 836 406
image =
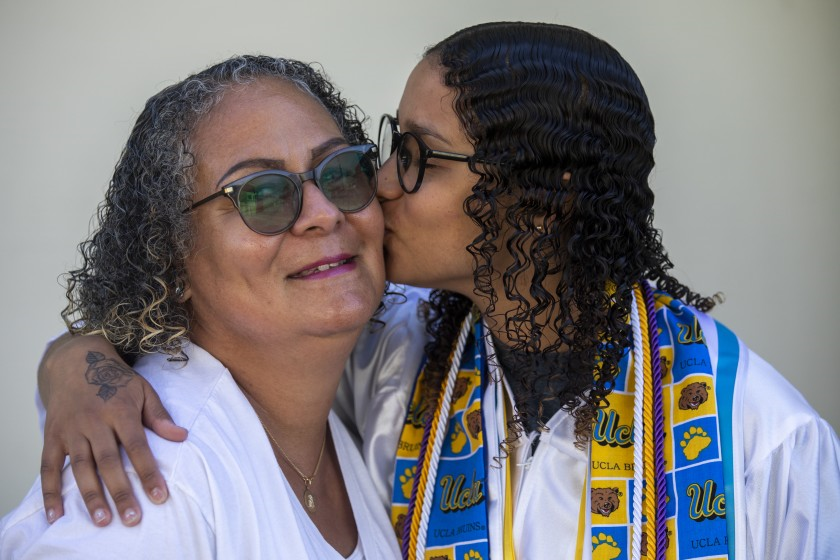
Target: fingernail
pixel 130 515
pixel 51 516
pixel 158 495
pixel 99 516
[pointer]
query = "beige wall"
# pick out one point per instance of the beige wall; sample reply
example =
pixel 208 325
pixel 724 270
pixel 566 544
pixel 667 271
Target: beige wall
pixel 744 94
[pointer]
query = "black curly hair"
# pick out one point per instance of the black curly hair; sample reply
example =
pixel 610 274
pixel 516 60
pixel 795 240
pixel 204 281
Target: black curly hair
pixel 567 123
pixel 133 264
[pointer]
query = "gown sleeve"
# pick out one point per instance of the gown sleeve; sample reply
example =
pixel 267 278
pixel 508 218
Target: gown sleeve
pixel 792 471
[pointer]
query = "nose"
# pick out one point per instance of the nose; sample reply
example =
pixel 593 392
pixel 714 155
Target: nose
pixel 388 186
pixel 317 213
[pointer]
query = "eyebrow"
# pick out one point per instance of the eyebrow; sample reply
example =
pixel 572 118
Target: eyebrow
pixel 268 163
pixel 421 130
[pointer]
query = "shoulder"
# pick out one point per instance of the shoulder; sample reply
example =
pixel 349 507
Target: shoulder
pixel 219 472
pixel 225 437
pixel 24 533
pixel 791 466
pixel 185 386
pixel 775 415
pixel 768 412
pixel 392 344
pixel 400 320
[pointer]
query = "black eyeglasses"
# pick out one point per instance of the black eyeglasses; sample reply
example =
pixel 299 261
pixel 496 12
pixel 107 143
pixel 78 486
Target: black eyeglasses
pixel 412 153
pixel 269 202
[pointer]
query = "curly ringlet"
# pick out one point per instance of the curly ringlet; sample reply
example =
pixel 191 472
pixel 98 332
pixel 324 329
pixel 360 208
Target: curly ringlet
pixel 543 100
pixel 133 264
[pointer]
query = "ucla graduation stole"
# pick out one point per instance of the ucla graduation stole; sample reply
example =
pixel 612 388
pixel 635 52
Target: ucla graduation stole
pixel 442 512
pixel 672 485
pixel 670 404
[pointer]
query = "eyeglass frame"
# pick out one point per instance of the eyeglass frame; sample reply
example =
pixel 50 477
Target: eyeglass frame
pixel 426 153
pixel 231 190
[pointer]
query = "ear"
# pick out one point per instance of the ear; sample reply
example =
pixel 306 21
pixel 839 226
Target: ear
pixel 567 178
pixel 183 292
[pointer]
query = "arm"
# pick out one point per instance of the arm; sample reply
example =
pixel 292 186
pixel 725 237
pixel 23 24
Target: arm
pixel 90 413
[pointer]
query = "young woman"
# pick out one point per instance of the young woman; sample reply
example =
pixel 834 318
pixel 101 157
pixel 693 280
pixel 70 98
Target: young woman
pixel 245 308
pixel 565 409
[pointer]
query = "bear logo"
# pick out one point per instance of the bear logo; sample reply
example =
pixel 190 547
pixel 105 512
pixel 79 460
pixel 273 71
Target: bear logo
pixel 645 542
pixel 664 365
pixel 693 395
pixel 605 500
pixel 474 423
pixel 398 526
pixel 460 389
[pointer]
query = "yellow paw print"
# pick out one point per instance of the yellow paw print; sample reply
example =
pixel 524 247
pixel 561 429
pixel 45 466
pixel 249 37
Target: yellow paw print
pixel 472 555
pixel 458 439
pixel 694 441
pixel 604 547
pixel 407 480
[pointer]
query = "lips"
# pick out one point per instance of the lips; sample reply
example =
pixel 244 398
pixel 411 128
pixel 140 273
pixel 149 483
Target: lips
pixel 321 267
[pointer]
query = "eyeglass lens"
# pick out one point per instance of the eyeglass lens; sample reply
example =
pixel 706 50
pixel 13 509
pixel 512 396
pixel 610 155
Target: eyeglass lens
pixel 386 139
pixel 408 161
pixel 270 202
pixel 409 152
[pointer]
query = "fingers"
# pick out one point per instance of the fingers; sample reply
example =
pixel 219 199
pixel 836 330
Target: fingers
pixel 133 438
pixel 109 462
pixel 52 462
pixel 90 427
pixel 84 471
pixel 157 419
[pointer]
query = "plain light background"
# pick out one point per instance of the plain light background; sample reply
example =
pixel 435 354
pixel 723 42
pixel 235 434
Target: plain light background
pixel 744 95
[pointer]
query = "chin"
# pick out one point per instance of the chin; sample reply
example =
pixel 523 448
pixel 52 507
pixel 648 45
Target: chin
pixel 348 318
pixel 355 308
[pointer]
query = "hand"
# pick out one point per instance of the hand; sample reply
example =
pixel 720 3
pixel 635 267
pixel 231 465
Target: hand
pixel 95 403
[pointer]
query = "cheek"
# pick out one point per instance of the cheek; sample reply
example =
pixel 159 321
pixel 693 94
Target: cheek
pixel 437 225
pixel 370 224
pixel 438 206
pixel 210 264
pixel 370 227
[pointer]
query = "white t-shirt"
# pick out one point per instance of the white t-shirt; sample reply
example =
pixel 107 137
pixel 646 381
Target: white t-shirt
pixel 228 497
pixel 787 463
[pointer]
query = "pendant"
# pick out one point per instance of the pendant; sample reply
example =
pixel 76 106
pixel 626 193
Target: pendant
pixel 308 500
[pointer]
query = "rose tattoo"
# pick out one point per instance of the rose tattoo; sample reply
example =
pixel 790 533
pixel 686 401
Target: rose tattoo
pixel 106 373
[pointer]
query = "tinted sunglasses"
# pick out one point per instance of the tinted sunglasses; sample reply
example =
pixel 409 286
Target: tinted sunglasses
pixel 270 201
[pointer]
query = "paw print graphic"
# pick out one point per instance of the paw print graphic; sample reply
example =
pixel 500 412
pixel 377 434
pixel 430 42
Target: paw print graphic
pixel 604 547
pixel 458 439
pixel 472 555
pixel 407 481
pixel 694 441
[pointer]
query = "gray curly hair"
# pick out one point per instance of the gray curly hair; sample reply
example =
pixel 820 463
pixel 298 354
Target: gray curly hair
pixel 128 286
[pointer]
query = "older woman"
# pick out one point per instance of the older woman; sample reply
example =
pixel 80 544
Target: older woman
pixel 584 415
pixel 239 253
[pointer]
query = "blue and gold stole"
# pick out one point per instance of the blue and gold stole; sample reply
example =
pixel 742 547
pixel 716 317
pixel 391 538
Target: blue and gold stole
pixel 669 497
pixel 438 504
pixel 662 499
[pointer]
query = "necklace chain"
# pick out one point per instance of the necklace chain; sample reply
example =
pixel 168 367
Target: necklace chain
pixel 308 497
